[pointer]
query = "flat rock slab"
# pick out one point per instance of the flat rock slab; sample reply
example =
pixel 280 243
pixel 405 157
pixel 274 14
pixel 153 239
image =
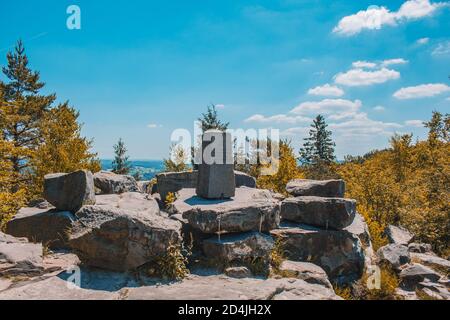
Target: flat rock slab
pixel 122 232
pixel 110 183
pixel 398 235
pixel 333 213
pixel 338 252
pixel 394 255
pixel 306 271
pixel 42 225
pixel 242 246
pixel 69 192
pixel 319 188
pixel 432 261
pixel 250 210
pixel 415 273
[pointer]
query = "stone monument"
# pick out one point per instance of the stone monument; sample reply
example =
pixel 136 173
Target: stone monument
pixel 216 178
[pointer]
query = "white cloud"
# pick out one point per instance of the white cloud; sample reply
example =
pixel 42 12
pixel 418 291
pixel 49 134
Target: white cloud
pixel 334 108
pixel 364 64
pixel 279 118
pixel 220 106
pixel 414 123
pixel 379 108
pixel 362 125
pixel 360 77
pixel 423 40
pixel 374 18
pixel 326 90
pixel 442 49
pixel 394 61
pixel 154 126
pixel 296 131
pixel 421 91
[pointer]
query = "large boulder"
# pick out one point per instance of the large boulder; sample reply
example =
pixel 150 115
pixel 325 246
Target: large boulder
pixel 239 247
pixel 415 273
pixel 244 180
pixel 306 271
pixel 338 252
pixel 398 235
pixel 250 210
pixel 394 255
pixel 172 182
pixel 110 183
pixel 69 192
pixel 123 232
pixel 50 227
pixel 326 188
pixel 19 257
pixel 333 213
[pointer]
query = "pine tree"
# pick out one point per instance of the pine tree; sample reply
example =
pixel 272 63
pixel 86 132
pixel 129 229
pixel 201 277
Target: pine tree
pixel 317 154
pixel 177 160
pixel 120 164
pixel 210 120
pixel 21 110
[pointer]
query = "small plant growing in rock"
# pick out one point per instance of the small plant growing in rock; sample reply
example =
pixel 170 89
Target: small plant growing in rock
pixel 277 256
pixel 172 265
pixel 170 198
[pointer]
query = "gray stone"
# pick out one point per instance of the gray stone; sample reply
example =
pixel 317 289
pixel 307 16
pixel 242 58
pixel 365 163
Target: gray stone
pixel 244 180
pixel 110 183
pixel 172 182
pixel 238 272
pixel 216 179
pixel 415 273
pixel 398 235
pixel 332 213
pixel 318 188
pixel 306 271
pixel 338 252
pixel 434 290
pixel 145 186
pixel 50 227
pixel 432 261
pixel 420 247
pixel 394 255
pixel 20 258
pixel 69 192
pixel 122 232
pixel 250 210
pixel 239 247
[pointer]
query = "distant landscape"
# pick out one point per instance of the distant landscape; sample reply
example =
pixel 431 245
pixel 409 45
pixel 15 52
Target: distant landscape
pixel 147 169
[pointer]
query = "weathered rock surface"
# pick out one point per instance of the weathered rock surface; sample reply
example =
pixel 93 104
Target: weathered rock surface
pixel 239 247
pixel 394 255
pixel 338 252
pixel 434 290
pixel 333 213
pixel 42 225
pixel 432 261
pixel 398 235
pixel 415 273
pixel 145 186
pixel 172 182
pixel 306 271
pixel 326 188
pixel 238 272
pixel 111 183
pixel 122 235
pixel 419 247
pixel 69 192
pixel 250 210
pixel 244 180
pixel 18 257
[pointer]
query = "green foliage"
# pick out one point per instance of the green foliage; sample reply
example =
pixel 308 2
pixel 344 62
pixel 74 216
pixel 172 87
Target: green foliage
pixel 120 164
pixel 277 255
pixel 210 120
pixel 317 154
pixel 172 265
pixel 177 161
pixel 170 198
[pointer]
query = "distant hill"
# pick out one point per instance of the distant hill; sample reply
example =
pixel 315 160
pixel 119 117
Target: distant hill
pixel 147 168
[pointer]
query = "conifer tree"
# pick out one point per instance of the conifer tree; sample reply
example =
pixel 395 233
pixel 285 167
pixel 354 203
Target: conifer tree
pixel 317 154
pixel 120 164
pixel 177 160
pixel 210 120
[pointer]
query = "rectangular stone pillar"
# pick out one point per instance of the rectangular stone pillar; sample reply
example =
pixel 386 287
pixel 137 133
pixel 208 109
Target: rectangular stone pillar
pixel 216 178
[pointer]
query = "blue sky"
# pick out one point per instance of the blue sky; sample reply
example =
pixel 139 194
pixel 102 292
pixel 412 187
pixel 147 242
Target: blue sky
pixel 140 69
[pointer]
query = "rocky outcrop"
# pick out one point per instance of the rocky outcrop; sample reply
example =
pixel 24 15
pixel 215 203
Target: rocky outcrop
pixel 420 247
pixel 18 257
pixel 332 213
pixel 69 192
pixel 394 255
pixel 249 210
pixel 415 273
pixel 306 271
pixel 338 252
pixel 327 188
pixel 238 272
pixel 239 247
pixel 398 235
pixel 50 227
pixel 145 186
pixel 122 233
pixel 244 180
pixel 432 261
pixel 110 183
